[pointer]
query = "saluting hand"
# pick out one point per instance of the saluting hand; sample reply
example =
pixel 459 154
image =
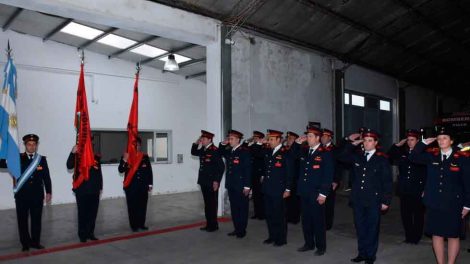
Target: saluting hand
pixel 301 139
pixel 74 149
pixel 357 142
pixel 125 157
pixel 354 136
pixel 428 141
pixel 401 143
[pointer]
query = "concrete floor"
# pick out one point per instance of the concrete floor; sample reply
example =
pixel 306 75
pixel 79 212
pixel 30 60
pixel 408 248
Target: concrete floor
pixel 193 246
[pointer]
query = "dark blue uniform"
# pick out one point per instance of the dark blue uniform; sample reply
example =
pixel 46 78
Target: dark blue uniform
pixel 29 200
pixel 371 187
pixel 315 178
pixel 88 198
pixel 447 190
pixel 137 192
pixel 257 172
pixel 331 199
pixel 411 181
pixel 211 169
pixel 277 179
pixel 238 176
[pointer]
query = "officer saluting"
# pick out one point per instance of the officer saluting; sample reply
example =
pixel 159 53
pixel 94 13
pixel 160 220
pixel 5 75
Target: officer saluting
pixel 88 197
pixel 237 180
pixel 314 185
pixel 277 182
pixel 293 201
pixel 138 188
pixel 446 194
pixel 371 191
pixel 411 181
pixel 326 140
pixel 211 170
pixel 257 170
pixel 29 192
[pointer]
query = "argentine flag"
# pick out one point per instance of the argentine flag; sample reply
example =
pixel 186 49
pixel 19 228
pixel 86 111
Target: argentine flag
pixel 9 144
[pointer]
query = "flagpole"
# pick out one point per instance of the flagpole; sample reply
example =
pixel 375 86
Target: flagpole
pixel 78 123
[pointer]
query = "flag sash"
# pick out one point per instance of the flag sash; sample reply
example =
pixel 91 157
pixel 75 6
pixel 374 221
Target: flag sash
pixel 27 173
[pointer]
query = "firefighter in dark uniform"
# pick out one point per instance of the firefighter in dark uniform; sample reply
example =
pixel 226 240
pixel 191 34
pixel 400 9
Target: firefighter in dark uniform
pixel 211 170
pixel 314 185
pixel 446 193
pixel 237 180
pixel 138 190
pixel 410 187
pixel 293 201
pixel 29 192
pixel 88 197
pixel 277 182
pixel 327 143
pixel 371 191
pixel 257 171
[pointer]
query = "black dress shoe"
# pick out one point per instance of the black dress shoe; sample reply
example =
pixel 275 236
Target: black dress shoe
pixel 358 259
pixel 241 235
pixel 203 228
pixel 212 229
pixel 145 228
pixel 233 233
pixel 370 261
pixel 319 252
pixel 268 241
pixel 135 230
pixel 37 246
pixel 468 250
pixel 24 249
pixel 279 244
pixel 254 217
pixel 261 218
pixel 305 248
pixel 92 237
pixel 83 240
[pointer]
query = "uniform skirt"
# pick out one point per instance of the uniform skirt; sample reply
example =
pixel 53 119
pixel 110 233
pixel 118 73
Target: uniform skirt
pixel 443 223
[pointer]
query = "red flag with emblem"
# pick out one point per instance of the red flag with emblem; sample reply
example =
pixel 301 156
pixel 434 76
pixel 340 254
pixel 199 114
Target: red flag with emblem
pixel 135 156
pixel 84 157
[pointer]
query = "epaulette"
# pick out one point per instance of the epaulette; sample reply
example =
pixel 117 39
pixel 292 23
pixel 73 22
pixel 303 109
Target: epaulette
pixel 212 147
pixel 435 151
pixel 322 149
pixel 381 154
pixel 459 154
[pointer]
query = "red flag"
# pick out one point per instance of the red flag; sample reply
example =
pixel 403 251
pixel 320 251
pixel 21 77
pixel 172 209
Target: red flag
pixel 85 157
pixel 135 156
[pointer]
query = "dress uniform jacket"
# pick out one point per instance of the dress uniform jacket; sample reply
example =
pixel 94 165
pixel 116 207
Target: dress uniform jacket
pixel 412 176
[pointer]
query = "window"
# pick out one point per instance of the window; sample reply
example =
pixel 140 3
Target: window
pixel 112 144
pixel 81 31
pixel 117 41
pixel 357 100
pixel 384 105
pixel 346 98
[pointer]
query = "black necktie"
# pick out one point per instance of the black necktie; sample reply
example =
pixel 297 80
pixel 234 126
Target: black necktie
pixel 310 152
pixel 366 154
pixel 444 157
pixel 30 156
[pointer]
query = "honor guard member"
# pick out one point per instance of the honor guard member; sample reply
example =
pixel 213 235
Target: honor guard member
pixel 293 201
pixel 211 170
pixel 276 186
pixel 410 187
pixel 257 171
pixel 237 180
pixel 371 191
pixel 446 193
pixel 29 192
pixel 137 190
pixel 327 143
pixel 87 195
pixel 314 185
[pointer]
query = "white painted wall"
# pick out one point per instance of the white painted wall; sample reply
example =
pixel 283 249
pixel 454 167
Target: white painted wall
pixel 278 86
pixel 47 81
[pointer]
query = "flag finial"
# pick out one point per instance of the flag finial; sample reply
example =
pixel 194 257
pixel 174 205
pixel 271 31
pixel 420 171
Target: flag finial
pixel 82 57
pixel 9 50
pixel 138 67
